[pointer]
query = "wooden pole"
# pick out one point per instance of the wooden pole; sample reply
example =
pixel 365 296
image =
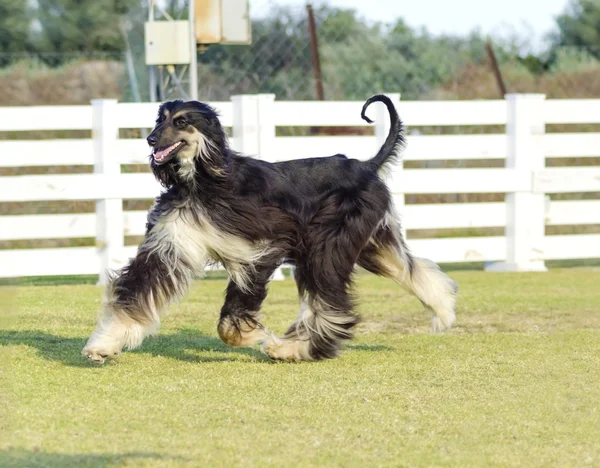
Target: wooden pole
pixel 314 46
pixel 496 69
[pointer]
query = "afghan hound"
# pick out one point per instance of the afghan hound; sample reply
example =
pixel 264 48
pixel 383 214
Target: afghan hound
pixel 324 215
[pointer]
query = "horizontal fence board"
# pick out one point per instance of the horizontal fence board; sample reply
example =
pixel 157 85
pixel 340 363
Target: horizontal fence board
pixel 567 179
pixel 444 113
pixel 431 147
pixel 453 215
pixel 36 118
pixel 134 223
pixel 421 181
pixel 78 187
pixel 573 212
pixel 574 145
pixel 320 113
pixel 143 115
pixel 412 113
pixel 86 260
pixel 418 216
pixel 572 111
pixel 419 147
pixel 137 115
pixel 483 215
pixel 47 226
pixel 291 148
pixel 143 185
pixel 574 246
pixel 23 153
pixel 49 262
pixel 460 249
pixel 133 151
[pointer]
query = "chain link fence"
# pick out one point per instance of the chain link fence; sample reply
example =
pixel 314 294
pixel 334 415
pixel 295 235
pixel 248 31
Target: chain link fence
pixel 357 58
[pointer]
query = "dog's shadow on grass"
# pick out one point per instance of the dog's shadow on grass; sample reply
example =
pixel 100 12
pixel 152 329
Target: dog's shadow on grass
pixel 24 458
pixel 368 347
pixel 184 345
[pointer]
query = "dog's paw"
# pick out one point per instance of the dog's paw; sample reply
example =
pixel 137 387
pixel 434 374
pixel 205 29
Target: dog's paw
pixel 98 355
pixel 286 350
pixel 443 323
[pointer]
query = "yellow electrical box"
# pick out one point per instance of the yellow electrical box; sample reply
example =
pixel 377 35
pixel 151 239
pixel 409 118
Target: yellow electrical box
pixel 222 22
pixel 167 42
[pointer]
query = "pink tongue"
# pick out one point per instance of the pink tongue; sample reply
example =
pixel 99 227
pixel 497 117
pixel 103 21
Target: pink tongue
pixel 162 154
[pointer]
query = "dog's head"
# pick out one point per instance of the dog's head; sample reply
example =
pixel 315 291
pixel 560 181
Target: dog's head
pixel 187 137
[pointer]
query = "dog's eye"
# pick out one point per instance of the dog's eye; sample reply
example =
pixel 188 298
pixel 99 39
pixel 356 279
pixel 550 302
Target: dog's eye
pixel 181 123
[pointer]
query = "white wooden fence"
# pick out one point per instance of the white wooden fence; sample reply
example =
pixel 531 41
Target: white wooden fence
pixel 525 179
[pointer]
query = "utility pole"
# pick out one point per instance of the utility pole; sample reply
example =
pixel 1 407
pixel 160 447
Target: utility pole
pixel 193 51
pixel 495 69
pixel 171 45
pixel 314 47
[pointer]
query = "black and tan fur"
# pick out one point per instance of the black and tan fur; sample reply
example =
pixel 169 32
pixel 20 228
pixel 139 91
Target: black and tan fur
pixel 324 215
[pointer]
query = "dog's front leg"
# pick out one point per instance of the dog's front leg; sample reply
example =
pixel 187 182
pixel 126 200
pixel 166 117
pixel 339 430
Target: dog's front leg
pixel 239 324
pixel 139 294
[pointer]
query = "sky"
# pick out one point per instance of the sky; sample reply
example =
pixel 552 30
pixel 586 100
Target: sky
pixel 534 18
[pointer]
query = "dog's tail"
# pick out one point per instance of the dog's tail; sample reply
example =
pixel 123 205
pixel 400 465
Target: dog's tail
pixel 388 153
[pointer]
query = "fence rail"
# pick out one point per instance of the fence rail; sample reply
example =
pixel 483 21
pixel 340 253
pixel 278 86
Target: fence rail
pixel 524 147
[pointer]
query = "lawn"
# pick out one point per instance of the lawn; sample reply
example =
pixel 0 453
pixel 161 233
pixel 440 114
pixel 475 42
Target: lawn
pixel 516 382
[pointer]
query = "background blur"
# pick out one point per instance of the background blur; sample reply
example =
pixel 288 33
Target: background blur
pixel 70 51
pixel 59 52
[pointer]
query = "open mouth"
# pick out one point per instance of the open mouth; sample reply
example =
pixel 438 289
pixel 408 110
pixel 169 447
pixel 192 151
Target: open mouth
pixel 162 155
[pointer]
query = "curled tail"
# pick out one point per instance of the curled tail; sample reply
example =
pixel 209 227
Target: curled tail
pixel 394 142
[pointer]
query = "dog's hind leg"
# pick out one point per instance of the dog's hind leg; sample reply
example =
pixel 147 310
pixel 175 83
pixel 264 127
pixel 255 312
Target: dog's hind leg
pixel 239 324
pixel 319 330
pixel 387 255
pixel 323 275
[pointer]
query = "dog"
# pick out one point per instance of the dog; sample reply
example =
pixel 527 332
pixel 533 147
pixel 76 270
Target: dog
pixel 324 215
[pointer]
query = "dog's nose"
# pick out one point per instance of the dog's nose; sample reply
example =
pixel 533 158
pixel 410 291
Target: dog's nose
pixel 152 140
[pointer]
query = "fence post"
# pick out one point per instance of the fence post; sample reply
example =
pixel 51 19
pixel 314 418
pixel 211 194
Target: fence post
pixel 266 142
pixel 109 212
pixel 254 132
pixel 382 129
pixel 266 127
pixel 245 124
pixel 525 211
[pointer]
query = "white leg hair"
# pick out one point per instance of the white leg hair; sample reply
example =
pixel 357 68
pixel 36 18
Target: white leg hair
pixel 296 344
pixel 295 348
pixel 436 290
pixel 113 333
pixel 182 241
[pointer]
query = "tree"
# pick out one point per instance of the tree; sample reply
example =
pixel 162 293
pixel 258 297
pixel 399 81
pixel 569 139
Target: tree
pixel 80 26
pixel 579 26
pixel 15 26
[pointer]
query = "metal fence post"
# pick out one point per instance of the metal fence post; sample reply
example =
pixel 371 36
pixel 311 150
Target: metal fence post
pixel 525 211
pixel 109 212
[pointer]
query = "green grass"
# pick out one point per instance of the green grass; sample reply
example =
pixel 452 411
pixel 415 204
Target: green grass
pixel 517 382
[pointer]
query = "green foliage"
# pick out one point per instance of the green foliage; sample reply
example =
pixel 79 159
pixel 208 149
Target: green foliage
pixel 579 26
pixel 15 22
pixel 80 26
pixel 357 57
